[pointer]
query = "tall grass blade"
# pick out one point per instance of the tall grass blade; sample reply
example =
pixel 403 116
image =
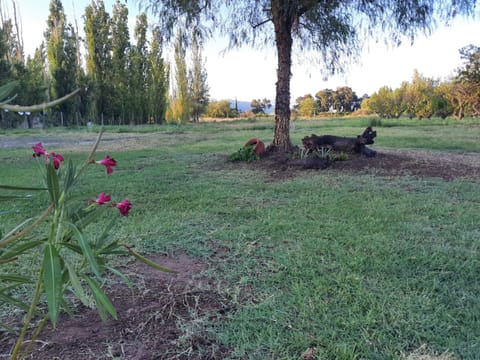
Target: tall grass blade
pixel 52 278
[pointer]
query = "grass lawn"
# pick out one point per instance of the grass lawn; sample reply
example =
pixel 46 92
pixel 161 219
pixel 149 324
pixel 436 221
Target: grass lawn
pixel 335 265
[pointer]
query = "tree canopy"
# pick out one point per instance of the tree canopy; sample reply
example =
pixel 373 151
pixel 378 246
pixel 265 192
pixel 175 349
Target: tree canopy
pixel 335 30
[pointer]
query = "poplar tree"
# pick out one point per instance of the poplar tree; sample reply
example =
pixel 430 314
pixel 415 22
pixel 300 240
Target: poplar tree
pixel 180 103
pixel 61 60
pixel 99 60
pixel 33 83
pixel 5 63
pixel 55 38
pixel 138 72
pixel 157 80
pixel 120 52
pixel 198 81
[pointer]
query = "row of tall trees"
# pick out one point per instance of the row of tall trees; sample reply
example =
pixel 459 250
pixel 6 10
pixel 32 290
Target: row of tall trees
pixel 343 99
pixel 126 81
pixel 190 91
pixel 425 97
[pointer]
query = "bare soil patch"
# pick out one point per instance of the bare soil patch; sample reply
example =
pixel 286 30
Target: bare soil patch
pixel 163 317
pixel 387 162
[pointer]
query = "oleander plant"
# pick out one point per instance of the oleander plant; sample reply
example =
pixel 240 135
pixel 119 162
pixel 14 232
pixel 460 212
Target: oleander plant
pixel 72 240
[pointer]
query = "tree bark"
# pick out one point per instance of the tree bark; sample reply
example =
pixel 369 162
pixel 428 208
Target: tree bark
pixel 283 19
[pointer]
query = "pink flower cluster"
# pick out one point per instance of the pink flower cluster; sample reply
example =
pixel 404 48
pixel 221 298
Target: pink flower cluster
pixel 38 150
pixel 57 159
pixel 124 206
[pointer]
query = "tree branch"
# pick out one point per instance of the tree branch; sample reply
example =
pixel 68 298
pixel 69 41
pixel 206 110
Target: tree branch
pixel 40 107
pixel 261 23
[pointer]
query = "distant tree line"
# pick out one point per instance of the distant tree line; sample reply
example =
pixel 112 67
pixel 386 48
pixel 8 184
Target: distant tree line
pixel 341 100
pixel 425 97
pixel 126 80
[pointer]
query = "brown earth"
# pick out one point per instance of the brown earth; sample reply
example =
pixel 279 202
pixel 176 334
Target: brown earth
pixel 163 316
pixel 166 316
pixel 387 163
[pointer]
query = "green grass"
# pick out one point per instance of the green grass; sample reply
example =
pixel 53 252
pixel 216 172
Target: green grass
pixel 357 266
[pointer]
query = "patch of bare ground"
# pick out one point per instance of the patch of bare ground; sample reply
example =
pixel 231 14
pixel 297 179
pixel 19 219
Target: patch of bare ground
pixel 164 316
pixel 387 162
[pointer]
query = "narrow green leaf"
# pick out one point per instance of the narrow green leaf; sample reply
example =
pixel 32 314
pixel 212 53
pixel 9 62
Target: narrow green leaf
pixel 14 302
pixel 52 279
pixel 9 329
pixel 101 299
pixel 4 261
pixel 8 289
pixel 86 250
pixel 11 197
pixel 112 248
pixel 6 89
pixel 69 179
pixel 15 278
pixel 53 184
pixel 149 262
pixel 87 217
pixel 73 247
pixel 100 241
pixel 20 249
pixel 23 188
pixel 17 228
pixel 122 276
pixel 76 285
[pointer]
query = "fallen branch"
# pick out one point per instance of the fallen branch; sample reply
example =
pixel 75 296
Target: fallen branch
pixel 342 144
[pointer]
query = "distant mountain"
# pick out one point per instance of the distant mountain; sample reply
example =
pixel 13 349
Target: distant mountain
pixel 245 105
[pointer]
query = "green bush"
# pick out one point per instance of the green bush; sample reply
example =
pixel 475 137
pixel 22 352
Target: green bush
pixel 245 153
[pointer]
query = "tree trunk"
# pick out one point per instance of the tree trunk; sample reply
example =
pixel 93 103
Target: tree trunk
pixel 283 21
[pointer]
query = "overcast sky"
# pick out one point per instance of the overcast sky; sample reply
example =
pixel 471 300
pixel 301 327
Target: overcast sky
pixel 247 74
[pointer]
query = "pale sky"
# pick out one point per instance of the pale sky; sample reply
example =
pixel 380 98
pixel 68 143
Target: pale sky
pixel 248 74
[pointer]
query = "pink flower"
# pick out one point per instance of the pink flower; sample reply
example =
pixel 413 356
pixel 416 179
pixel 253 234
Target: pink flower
pixel 38 150
pixel 57 159
pixel 108 162
pixel 103 198
pixel 124 207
